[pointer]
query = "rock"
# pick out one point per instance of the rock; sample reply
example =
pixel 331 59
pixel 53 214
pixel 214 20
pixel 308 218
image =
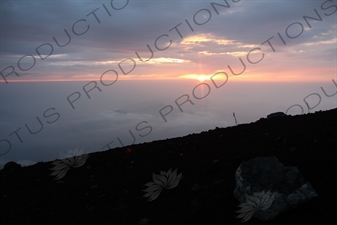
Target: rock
pixel 195 206
pixel 276 115
pixel 215 161
pixel 211 167
pixel 12 166
pixel 268 174
pixel 93 186
pixel 143 221
pixel 196 187
pixel 124 207
pixel 292 149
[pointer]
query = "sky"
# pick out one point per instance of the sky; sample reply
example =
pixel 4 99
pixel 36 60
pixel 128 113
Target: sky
pixel 100 74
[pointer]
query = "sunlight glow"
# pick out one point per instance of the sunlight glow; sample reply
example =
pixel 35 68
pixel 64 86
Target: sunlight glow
pixel 203 77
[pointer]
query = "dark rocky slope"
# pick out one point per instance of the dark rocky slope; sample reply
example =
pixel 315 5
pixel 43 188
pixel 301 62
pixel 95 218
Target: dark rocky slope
pixel 107 189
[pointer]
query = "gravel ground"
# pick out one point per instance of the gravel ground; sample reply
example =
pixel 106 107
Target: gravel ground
pixel 108 188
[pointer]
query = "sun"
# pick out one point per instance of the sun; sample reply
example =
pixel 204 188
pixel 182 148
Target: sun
pixel 199 77
pixel 202 78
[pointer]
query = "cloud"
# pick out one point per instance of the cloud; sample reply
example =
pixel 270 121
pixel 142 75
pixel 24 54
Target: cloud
pixel 119 34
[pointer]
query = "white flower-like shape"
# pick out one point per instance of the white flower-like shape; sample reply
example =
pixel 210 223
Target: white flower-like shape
pixel 258 201
pixel 167 180
pixel 74 158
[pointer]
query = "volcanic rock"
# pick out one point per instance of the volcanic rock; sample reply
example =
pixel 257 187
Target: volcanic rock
pixel 276 115
pixel 268 174
pixel 12 166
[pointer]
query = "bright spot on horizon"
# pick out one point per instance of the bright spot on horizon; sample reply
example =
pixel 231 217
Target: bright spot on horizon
pixel 203 77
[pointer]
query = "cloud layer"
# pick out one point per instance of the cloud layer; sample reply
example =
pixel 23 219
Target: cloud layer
pixel 195 37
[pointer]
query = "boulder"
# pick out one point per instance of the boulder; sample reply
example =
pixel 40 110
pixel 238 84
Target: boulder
pixel 12 166
pixel 267 174
pixel 276 115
